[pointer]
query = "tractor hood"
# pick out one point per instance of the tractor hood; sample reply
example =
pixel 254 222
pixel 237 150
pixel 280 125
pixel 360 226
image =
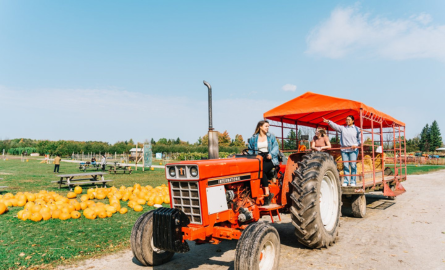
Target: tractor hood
pixel 214 168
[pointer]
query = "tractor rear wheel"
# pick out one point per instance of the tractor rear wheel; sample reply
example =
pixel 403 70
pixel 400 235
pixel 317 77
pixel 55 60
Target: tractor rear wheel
pixel 258 248
pixel 142 243
pixel 316 200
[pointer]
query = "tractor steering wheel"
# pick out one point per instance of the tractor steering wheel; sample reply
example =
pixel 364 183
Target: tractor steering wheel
pixel 246 152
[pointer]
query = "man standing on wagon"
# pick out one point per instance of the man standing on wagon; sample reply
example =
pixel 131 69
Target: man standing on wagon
pixel 350 143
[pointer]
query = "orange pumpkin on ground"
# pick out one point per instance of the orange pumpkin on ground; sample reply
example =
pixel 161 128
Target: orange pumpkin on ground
pixel 78 190
pixel 46 215
pixel 75 215
pixel 36 217
pixel 71 195
pixel 123 210
pixel 3 208
pixel 55 214
pixel 64 216
pixel 138 208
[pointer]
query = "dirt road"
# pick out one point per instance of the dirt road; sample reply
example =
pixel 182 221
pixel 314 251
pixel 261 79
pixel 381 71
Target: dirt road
pixel 408 233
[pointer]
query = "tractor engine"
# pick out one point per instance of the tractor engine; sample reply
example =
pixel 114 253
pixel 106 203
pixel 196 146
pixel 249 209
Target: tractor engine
pixel 239 200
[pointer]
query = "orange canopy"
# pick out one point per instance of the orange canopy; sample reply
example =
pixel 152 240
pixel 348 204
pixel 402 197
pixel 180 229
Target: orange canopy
pixel 309 109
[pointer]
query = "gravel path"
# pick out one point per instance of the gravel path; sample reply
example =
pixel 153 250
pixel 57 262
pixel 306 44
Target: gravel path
pixel 409 234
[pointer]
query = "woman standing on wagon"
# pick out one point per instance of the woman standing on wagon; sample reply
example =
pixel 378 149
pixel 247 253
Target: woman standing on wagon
pixel 266 145
pixel 350 138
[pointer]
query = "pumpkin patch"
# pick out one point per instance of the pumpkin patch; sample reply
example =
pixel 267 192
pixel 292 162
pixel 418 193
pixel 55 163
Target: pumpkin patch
pixel 96 203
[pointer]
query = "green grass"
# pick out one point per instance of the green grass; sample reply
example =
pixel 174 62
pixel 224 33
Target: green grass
pixel 420 169
pixel 26 243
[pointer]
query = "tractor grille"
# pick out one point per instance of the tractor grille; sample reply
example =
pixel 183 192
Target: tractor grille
pixel 185 197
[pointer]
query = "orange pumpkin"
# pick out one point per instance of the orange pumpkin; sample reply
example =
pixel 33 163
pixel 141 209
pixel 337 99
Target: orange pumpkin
pixel 55 214
pixel 36 217
pixel 3 208
pixel 138 208
pixel 78 190
pixel 64 216
pixel 46 215
pixel 84 198
pixel 71 195
pixel 75 215
pixel 158 200
pixel 102 214
pixel 26 215
pixel 123 210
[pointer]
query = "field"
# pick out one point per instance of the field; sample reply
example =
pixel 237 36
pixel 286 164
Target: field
pixel 52 242
pixel 421 169
pixel 24 244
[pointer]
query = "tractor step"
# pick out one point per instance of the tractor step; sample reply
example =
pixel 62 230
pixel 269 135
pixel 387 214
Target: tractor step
pixel 268 209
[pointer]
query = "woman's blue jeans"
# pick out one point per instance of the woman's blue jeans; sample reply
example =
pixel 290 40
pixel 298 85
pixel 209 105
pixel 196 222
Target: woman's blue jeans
pixel 349 156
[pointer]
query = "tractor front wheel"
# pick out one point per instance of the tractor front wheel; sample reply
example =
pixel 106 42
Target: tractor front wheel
pixel 142 243
pixel 316 200
pixel 258 248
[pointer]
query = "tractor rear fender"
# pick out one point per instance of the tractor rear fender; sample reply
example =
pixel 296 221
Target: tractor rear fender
pixel 291 166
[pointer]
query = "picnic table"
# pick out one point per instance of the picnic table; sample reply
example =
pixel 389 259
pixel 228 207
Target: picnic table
pixel 84 165
pixel 119 167
pixel 92 178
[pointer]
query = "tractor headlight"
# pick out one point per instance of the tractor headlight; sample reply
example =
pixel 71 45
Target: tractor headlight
pixel 172 171
pixel 194 171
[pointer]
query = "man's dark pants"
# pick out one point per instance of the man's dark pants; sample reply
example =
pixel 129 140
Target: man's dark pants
pixel 56 167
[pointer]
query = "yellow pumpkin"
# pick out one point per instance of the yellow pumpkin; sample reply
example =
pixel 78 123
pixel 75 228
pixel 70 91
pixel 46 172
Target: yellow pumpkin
pixel 26 215
pixel 75 215
pixel 55 214
pixel 158 200
pixel 71 195
pixel 46 215
pixel 36 217
pixel 78 190
pixel 138 208
pixel 3 208
pixel 64 216
pixel 123 210
pixel 102 214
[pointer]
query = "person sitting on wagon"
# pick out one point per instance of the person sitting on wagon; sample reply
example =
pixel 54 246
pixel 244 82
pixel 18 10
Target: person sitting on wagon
pixel 349 139
pixel 265 143
pixel 320 140
pixel 93 160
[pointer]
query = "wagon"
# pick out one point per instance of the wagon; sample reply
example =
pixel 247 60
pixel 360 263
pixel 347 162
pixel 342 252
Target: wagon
pixel 381 136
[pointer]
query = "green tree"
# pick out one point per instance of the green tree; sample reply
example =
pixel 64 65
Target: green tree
pixel 424 139
pixel 238 141
pixel 162 141
pixel 290 142
pixel 435 138
pixel 153 142
pixel 178 141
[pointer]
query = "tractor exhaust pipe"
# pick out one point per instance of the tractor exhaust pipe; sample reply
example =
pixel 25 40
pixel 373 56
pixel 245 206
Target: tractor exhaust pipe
pixel 213 135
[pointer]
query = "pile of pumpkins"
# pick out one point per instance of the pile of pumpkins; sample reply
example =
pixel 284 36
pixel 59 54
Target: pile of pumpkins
pixel 50 205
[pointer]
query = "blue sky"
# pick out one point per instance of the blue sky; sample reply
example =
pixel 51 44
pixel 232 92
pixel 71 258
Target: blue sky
pixel 114 70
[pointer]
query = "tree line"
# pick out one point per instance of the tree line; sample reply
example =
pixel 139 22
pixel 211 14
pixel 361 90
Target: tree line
pixel 163 145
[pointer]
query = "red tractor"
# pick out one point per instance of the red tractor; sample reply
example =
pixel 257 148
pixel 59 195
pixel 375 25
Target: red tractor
pixel 221 199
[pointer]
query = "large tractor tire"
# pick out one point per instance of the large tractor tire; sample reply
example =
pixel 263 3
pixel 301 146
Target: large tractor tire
pixel 258 248
pixel 142 243
pixel 316 200
pixel 359 206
